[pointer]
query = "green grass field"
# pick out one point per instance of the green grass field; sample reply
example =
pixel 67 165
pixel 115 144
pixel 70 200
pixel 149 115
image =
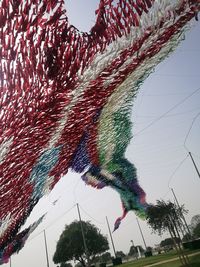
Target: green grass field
pixel 194 260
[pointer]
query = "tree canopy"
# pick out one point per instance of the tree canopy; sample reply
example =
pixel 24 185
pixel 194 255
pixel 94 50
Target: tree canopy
pixel 167 216
pixel 195 221
pixel 70 245
pixel 195 226
pixel 120 254
pixel 105 257
pixel 134 251
pixel 169 242
pixel 196 231
pixel 164 216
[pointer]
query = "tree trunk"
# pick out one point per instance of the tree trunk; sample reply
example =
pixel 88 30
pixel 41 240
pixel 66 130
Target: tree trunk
pixel 174 235
pixel 186 259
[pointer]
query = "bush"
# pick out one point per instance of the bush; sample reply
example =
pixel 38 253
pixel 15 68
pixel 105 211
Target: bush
pixel 148 254
pixel 194 244
pixel 117 261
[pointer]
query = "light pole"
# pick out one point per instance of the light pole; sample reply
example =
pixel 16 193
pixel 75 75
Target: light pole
pixel 83 235
pixel 111 236
pixel 141 234
pixel 195 166
pixel 45 242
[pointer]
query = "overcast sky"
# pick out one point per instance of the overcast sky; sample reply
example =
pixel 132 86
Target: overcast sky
pixel 157 151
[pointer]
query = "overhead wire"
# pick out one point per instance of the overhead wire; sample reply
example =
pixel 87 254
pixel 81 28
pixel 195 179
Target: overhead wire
pixel 99 222
pixel 165 113
pixel 172 175
pixel 189 130
pixel 176 75
pixel 175 171
pixel 53 222
pixel 170 115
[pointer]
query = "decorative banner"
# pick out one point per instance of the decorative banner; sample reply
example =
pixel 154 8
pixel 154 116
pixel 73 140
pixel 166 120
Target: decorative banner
pixel 66 96
pixel 18 242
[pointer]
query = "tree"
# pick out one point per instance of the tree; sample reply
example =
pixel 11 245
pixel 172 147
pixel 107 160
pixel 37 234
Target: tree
pixel 70 245
pixel 120 254
pixel 196 231
pixel 167 216
pixel 149 249
pixel 195 221
pixel 186 237
pixel 105 257
pixel 168 243
pixel 133 251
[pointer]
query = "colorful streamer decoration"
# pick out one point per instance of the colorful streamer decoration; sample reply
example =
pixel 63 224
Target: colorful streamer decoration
pixel 18 242
pixel 66 96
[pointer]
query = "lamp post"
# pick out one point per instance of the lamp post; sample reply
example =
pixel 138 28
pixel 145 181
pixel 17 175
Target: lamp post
pixel 141 233
pixel 46 250
pixel 83 235
pixel 111 236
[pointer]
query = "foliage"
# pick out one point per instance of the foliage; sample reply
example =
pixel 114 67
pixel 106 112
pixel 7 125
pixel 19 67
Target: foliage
pixel 132 251
pixel 70 244
pixel 195 221
pixel 120 254
pixel 105 257
pixel 163 215
pixel 166 216
pixel 169 242
pixel 140 248
pixel 196 231
pixel 149 249
pixel 186 237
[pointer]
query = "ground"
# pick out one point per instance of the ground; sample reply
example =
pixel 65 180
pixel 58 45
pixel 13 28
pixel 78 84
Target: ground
pixel 165 260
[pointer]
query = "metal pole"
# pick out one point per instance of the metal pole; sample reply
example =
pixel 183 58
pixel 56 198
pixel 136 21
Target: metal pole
pixel 194 164
pixel 111 236
pixel 181 212
pixel 45 241
pixel 10 262
pixel 83 235
pixel 141 233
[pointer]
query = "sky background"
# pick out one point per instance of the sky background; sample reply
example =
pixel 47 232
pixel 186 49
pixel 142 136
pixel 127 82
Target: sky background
pixel 157 150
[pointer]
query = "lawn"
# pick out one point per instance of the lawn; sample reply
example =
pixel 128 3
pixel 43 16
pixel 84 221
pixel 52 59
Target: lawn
pixel 195 260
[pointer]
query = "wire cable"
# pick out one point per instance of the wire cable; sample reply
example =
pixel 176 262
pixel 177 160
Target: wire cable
pixel 165 113
pixel 53 222
pixel 175 171
pixel 90 215
pixel 172 175
pixel 170 115
pixel 189 130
